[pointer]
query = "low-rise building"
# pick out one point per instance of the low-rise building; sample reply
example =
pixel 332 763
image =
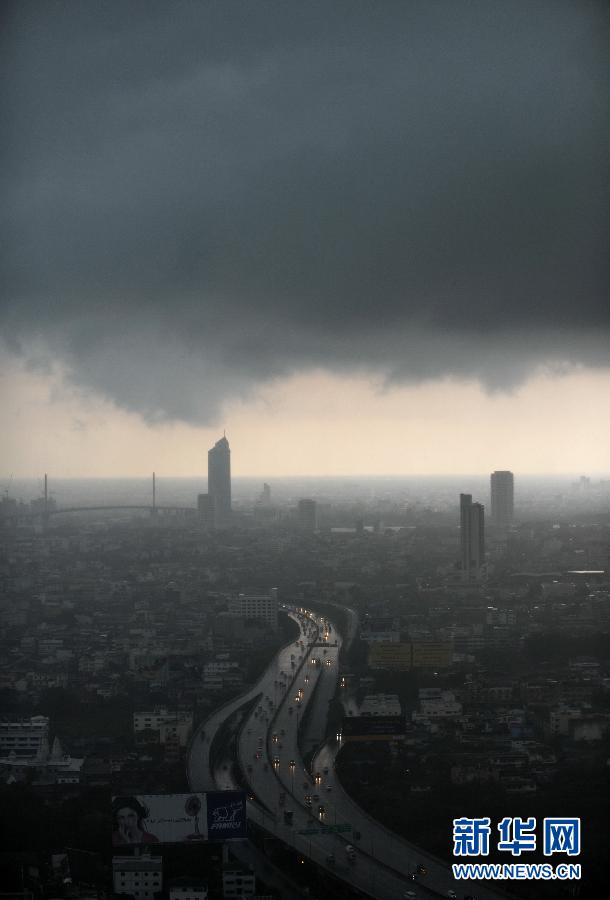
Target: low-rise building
pixel 140 876
pixel 238 883
pixel 23 737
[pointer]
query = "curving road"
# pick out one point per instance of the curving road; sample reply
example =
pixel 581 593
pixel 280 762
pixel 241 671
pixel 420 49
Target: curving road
pixel 304 675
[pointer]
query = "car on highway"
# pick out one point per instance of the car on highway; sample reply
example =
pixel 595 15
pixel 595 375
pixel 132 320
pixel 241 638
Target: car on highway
pixel 291 764
pixel 451 894
pixel 258 755
pixel 421 870
pixel 276 762
pixel 328 788
pixel 308 799
pixel 350 852
pixel 330 859
pixel 321 812
pixel 409 895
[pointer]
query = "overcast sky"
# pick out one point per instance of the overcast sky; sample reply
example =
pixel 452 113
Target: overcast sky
pixel 307 223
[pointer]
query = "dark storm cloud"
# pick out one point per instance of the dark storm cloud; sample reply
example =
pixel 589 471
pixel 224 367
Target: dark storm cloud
pixel 201 197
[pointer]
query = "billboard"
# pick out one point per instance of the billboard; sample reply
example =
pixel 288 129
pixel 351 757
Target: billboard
pixel 226 815
pixel 373 728
pixel 178 818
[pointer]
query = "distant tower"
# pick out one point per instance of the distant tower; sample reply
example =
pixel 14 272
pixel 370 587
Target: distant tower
pixel 219 480
pixel 472 538
pixel 265 497
pixel 308 515
pixel 502 499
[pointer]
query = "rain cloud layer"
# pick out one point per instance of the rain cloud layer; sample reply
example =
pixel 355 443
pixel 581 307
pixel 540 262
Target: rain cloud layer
pixel 203 197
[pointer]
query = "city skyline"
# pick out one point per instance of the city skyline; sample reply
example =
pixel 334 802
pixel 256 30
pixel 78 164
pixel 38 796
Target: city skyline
pixel 305 452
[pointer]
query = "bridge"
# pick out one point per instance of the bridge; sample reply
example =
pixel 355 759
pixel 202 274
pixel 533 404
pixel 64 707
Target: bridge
pixel 152 509
pixel 44 508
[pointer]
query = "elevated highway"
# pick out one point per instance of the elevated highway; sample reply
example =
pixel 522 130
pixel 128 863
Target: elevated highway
pixel 309 810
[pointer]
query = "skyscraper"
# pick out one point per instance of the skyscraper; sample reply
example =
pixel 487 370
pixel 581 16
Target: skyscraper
pixel 219 480
pixel 502 499
pixel 472 538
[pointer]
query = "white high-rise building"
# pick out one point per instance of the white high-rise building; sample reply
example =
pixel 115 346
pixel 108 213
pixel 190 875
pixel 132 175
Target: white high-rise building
pixel 502 498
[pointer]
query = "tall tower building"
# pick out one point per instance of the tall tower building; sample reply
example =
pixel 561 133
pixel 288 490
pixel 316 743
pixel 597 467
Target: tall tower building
pixel 219 481
pixel 502 499
pixel 472 538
